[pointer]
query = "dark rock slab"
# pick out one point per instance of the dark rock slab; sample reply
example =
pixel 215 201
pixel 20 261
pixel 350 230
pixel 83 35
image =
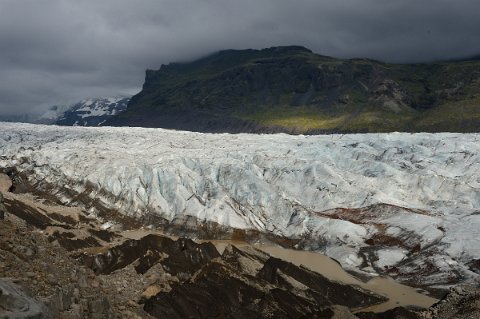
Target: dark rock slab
pixel 395 313
pixel 218 291
pixel 474 265
pixel 275 271
pixel 16 304
pixel 183 255
pixel 29 214
pixel 70 242
pixel 248 283
pixel 3 209
pixel 104 235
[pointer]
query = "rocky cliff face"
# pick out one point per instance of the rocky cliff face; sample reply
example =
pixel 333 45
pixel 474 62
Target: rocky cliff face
pixel 291 89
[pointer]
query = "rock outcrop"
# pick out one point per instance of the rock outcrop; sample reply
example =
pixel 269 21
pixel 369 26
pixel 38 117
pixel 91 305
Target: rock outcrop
pixel 16 304
pixel 246 283
pixel 3 209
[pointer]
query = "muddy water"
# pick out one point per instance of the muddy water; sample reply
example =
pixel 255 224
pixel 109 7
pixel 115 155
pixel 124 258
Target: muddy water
pixel 398 294
pixel 140 233
pixel 5 183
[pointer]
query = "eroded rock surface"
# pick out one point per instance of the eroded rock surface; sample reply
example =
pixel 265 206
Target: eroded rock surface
pixel 230 287
pixel 241 282
pixel 462 302
pixel 16 304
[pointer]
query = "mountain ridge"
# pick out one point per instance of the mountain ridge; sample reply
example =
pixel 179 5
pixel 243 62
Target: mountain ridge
pixel 291 89
pixel 87 112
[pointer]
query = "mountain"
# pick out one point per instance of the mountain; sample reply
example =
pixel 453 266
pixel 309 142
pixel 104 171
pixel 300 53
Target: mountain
pixel 88 112
pixel 291 89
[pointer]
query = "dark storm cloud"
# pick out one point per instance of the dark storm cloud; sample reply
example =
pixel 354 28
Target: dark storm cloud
pixel 58 51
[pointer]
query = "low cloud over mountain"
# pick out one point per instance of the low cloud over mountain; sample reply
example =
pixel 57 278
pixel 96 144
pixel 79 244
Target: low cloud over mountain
pixel 56 52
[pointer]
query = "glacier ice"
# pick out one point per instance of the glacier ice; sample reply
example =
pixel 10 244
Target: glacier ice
pixel 273 183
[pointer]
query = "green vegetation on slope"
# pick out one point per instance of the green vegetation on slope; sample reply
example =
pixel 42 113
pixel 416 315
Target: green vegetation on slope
pixel 294 90
pixel 299 119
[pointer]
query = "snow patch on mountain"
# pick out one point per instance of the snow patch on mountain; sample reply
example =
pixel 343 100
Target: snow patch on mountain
pixel 376 201
pixel 88 112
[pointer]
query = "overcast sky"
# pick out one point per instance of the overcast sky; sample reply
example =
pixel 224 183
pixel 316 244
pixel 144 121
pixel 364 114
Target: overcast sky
pixel 59 51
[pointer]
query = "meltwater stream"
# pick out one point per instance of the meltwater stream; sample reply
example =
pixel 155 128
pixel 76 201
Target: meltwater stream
pixel 397 294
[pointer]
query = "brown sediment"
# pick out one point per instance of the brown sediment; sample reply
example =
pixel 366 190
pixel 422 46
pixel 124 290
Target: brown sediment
pixel 5 183
pixel 398 294
pixel 365 214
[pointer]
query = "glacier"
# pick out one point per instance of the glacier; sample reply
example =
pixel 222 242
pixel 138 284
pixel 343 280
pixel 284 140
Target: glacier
pixel 338 191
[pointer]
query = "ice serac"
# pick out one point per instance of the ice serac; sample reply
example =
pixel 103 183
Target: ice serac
pixel 385 203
